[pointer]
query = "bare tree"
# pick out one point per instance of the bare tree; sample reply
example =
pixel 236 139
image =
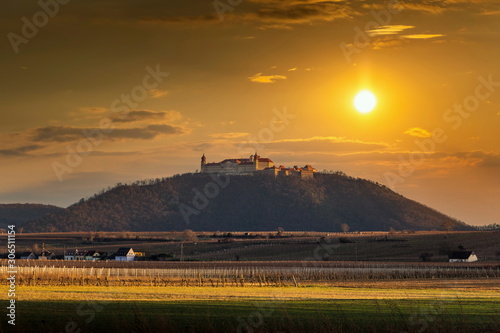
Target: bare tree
pixel 344 227
pixel 189 235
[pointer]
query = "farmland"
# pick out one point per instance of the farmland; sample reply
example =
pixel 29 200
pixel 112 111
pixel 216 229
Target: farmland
pixel 356 306
pixel 293 283
pixel 271 246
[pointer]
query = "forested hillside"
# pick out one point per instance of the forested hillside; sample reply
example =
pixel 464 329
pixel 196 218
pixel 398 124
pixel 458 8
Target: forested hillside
pixel 19 214
pixel 247 203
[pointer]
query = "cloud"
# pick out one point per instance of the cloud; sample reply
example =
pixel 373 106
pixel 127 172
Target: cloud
pixel 156 93
pixel 19 151
pixel 244 37
pixel 422 7
pixel 69 133
pixel 418 132
pixel 491 12
pixel 389 30
pixel 230 135
pixel 94 109
pixel 145 115
pixel 266 78
pixel 422 36
pixel 274 14
pixel 380 43
pixel 328 144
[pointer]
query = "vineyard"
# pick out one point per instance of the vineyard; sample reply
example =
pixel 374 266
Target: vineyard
pixel 221 274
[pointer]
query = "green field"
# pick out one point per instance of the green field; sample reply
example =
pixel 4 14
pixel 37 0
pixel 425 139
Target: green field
pixel 378 306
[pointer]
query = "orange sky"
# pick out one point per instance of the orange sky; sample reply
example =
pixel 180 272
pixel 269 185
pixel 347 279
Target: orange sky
pixel 116 91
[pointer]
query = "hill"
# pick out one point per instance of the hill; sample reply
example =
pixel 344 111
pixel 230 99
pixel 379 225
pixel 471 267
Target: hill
pixel 19 214
pixel 247 203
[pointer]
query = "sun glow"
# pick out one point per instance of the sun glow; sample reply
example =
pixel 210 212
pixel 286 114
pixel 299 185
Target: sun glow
pixel 365 101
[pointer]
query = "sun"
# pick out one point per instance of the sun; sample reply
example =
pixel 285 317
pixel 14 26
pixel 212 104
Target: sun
pixel 365 101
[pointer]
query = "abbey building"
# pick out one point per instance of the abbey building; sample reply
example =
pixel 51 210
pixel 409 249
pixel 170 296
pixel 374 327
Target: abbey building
pixel 254 164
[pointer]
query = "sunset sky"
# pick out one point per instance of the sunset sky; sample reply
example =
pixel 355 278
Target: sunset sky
pixel 155 84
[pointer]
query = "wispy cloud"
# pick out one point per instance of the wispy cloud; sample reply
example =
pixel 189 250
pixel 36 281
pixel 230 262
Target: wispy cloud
pixel 266 78
pixel 145 115
pixel 422 36
pixel 156 93
pixel 69 133
pixel 418 132
pixel 325 143
pixel 230 135
pixel 19 151
pixel 389 30
pixel 94 110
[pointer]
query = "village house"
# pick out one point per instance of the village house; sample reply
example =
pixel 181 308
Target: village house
pixel 75 254
pixel 94 255
pixel 125 254
pixel 463 256
pixel 45 255
pixel 70 255
pixel 252 165
pixel 28 255
pixel 80 255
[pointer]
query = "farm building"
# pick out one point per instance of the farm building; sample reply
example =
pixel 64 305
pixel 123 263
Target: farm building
pixel 463 256
pixel 28 255
pixel 45 255
pixel 125 254
pixel 94 255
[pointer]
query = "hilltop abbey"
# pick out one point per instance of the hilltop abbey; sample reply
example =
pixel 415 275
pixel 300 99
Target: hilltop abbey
pixel 254 164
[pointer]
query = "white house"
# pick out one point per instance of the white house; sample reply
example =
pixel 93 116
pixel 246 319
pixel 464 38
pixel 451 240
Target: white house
pixel 125 254
pixel 75 255
pixel 463 256
pixel 71 254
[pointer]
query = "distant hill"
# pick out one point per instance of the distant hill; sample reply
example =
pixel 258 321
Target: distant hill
pixel 247 203
pixel 19 214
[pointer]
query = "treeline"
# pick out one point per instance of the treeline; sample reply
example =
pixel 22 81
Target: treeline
pixel 247 203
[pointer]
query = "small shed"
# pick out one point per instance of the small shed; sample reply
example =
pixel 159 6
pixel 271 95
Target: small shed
pixel 125 254
pixel 463 256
